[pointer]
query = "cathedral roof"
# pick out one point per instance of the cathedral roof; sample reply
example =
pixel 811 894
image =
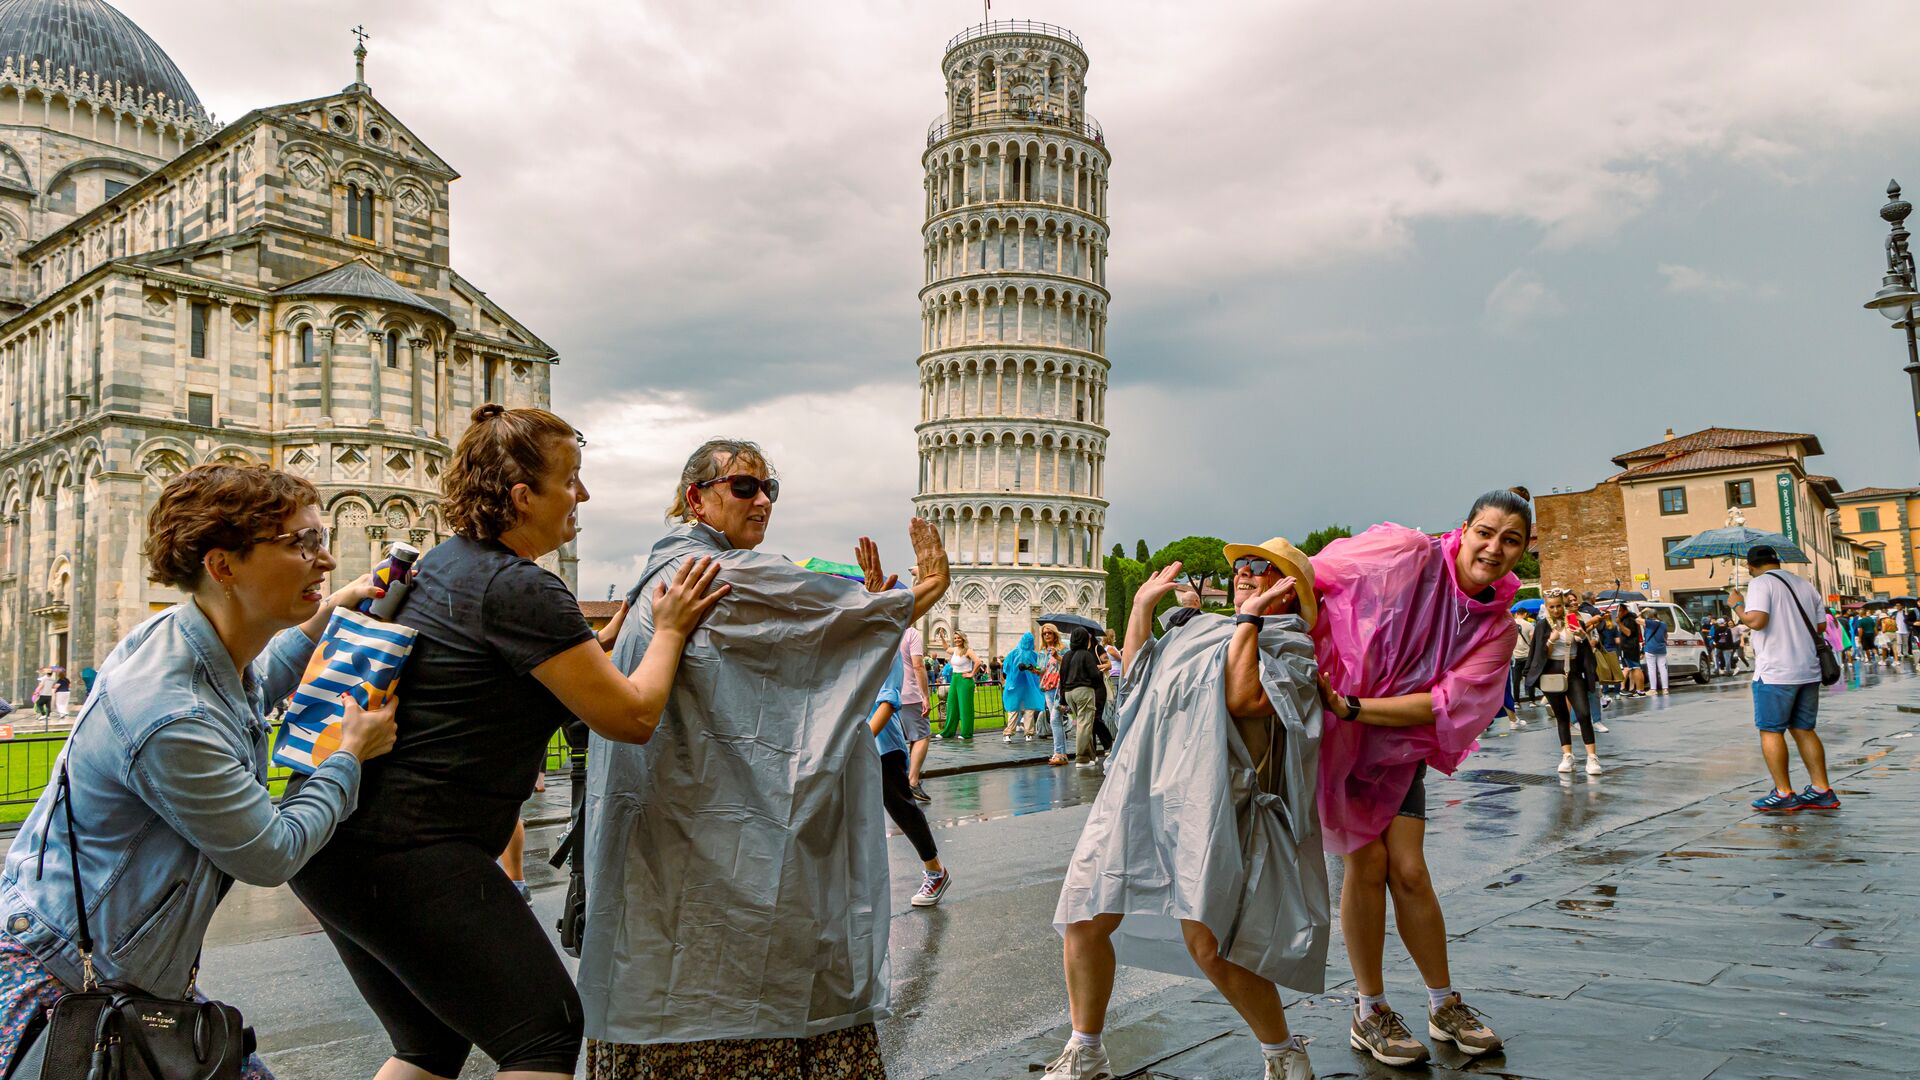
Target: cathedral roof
pixel 359 280
pixel 91 37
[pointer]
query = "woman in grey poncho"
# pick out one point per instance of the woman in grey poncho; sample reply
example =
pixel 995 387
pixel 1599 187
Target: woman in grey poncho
pixel 737 898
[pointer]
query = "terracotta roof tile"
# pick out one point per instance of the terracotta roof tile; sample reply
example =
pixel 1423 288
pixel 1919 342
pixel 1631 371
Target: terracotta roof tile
pixel 1716 438
pixel 1875 493
pixel 1702 461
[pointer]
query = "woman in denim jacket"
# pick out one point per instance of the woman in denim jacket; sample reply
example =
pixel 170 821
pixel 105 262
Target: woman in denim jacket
pixel 168 762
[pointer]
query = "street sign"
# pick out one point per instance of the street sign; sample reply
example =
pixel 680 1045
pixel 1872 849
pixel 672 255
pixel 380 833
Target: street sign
pixel 1789 524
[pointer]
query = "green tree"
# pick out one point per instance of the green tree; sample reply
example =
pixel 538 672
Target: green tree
pixel 1140 553
pixel 1119 552
pixel 1528 568
pixel 1199 557
pixel 1124 578
pixel 1320 538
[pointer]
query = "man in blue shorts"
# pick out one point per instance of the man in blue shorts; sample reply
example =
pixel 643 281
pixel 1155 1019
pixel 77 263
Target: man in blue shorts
pixel 1779 609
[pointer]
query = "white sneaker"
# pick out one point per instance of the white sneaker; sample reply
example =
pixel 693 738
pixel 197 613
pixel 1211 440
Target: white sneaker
pixel 1288 1064
pixel 1606 703
pixel 1600 727
pixel 1593 765
pixel 1566 762
pixel 1079 1062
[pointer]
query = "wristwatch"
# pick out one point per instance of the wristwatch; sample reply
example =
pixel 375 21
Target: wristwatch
pixel 1258 622
pixel 1353 707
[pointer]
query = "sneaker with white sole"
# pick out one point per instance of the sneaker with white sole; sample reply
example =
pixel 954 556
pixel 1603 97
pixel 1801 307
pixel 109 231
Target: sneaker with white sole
pixel 1593 765
pixel 1080 1062
pixel 1599 727
pixel 1462 1025
pixel 1566 762
pixel 932 887
pixel 1288 1064
pixel 1385 1036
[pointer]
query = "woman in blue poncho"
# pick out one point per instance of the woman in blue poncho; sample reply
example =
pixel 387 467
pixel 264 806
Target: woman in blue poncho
pixel 1021 696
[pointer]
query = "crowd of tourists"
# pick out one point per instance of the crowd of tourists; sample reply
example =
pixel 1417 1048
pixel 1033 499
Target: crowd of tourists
pixel 750 722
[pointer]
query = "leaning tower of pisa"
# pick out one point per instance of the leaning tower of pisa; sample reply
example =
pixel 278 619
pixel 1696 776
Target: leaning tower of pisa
pixel 1013 368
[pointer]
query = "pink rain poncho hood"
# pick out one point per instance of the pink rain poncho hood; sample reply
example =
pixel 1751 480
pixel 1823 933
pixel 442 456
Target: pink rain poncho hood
pixel 1393 621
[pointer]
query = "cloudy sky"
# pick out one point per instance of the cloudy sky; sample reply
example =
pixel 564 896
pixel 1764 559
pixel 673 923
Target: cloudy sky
pixel 1367 260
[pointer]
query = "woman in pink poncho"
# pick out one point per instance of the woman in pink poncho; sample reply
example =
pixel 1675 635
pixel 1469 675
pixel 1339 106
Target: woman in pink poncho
pixel 1413 643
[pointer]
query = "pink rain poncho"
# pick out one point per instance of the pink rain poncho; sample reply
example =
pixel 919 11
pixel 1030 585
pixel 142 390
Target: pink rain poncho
pixel 1394 621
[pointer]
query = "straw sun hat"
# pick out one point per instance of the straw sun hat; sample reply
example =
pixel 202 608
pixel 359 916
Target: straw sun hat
pixel 1292 561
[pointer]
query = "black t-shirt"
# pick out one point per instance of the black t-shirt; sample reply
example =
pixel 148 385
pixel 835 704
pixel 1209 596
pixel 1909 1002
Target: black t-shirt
pixel 474 723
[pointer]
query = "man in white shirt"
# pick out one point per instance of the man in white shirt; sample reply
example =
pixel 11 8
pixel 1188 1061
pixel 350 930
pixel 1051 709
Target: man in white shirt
pixel 1779 609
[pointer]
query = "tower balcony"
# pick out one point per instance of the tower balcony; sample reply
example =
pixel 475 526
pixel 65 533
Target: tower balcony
pixel 1015 26
pixel 1015 119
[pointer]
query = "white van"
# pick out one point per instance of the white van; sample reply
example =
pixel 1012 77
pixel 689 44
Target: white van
pixel 1686 649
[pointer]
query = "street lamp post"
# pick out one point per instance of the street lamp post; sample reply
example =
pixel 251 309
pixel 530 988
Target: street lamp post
pixel 1897 297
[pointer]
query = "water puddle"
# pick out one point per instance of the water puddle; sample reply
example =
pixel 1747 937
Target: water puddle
pixel 1584 905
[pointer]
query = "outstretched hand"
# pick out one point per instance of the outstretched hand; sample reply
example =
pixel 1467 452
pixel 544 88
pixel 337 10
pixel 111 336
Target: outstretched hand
pixel 1271 601
pixel 1157 586
pixel 678 607
pixel 867 554
pixel 930 566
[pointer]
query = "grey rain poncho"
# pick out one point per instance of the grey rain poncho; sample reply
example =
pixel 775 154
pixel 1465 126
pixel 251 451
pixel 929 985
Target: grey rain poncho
pixel 737 863
pixel 1182 829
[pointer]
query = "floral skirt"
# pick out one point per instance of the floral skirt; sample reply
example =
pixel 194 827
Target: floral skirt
pixel 26 988
pixel 849 1054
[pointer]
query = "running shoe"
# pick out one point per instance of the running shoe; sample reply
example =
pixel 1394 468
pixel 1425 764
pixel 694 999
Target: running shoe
pixel 1080 1062
pixel 919 793
pixel 1593 765
pixel 1289 1064
pixel 1385 1036
pixel 1779 802
pixel 932 887
pixel 1600 727
pixel 1818 800
pixel 1462 1025
pixel 1566 763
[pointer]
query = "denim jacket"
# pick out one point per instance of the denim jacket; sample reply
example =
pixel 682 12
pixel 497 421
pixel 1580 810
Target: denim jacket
pixel 168 764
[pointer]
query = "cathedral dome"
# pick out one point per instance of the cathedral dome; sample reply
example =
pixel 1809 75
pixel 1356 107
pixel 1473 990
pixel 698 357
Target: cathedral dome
pixel 92 37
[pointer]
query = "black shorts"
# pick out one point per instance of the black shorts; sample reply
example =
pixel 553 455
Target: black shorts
pixel 1415 804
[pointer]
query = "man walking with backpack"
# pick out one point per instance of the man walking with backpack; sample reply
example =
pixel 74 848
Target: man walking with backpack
pixel 1787 676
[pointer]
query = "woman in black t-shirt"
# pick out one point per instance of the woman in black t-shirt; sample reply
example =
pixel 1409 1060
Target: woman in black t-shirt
pixel 433 933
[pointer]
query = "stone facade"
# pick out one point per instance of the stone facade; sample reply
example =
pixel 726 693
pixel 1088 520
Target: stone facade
pixel 1013 368
pixel 277 290
pixel 1583 539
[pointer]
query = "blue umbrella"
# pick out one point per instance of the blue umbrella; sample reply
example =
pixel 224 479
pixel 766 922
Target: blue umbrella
pixel 1734 542
pixel 1530 606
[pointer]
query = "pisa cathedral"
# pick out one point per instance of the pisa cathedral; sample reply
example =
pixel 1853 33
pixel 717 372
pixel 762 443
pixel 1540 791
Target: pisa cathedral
pixel 1013 368
pixel 277 289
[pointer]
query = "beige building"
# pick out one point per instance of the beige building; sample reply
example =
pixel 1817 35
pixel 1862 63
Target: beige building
pixel 278 290
pixel 1621 529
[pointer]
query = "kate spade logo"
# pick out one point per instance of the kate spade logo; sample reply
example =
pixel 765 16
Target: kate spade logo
pixel 158 1020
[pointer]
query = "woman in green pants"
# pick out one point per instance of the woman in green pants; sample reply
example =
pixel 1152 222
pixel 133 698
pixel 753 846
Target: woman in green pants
pixel 960 694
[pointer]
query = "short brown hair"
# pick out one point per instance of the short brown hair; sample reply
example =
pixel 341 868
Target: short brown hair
pixel 217 506
pixel 705 464
pixel 501 448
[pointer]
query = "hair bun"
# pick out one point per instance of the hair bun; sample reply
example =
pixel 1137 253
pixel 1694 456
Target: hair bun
pixel 488 411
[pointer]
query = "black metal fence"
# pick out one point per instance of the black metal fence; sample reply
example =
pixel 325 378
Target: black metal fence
pixel 1085 126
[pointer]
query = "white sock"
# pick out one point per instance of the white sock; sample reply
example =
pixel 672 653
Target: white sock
pixel 1081 1038
pixel 1367 1002
pixel 1293 1043
pixel 1437 998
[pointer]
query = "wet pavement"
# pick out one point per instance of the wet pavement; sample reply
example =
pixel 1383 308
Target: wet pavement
pixel 1640 923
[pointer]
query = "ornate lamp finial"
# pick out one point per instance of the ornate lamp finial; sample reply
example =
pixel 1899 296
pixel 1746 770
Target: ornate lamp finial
pixel 360 55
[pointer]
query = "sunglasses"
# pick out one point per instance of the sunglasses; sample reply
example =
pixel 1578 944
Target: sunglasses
pixel 1258 567
pixel 744 486
pixel 309 542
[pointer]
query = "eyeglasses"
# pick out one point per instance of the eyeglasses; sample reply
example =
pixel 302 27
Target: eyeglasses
pixel 1258 567
pixel 309 542
pixel 745 486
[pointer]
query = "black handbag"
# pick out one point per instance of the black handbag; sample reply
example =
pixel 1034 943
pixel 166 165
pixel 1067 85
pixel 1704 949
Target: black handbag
pixel 1822 648
pixel 116 1031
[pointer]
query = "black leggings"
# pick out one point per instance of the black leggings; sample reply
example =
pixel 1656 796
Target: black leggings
pixel 903 808
pixel 1582 704
pixel 447 954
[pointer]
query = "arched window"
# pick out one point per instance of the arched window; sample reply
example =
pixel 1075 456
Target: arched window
pixel 306 345
pixel 393 349
pixel 359 212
